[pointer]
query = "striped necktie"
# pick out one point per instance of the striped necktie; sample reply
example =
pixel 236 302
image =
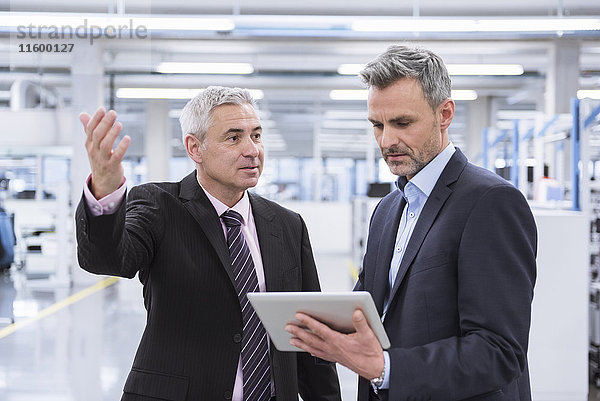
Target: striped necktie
pixel 255 352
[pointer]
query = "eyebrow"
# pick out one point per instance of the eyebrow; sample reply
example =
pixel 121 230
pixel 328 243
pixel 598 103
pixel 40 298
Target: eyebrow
pixel 239 130
pixel 402 118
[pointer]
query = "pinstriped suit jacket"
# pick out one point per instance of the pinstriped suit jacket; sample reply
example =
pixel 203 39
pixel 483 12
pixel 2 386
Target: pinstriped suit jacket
pixel 171 234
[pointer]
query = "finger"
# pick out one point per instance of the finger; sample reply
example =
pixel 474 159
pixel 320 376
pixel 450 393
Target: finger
pixel 319 329
pixel 296 342
pixel 108 141
pixel 359 322
pixel 304 336
pixel 121 148
pixel 93 122
pixel 85 119
pixel 103 127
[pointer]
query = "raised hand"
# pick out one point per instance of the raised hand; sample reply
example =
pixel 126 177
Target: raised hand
pixel 102 131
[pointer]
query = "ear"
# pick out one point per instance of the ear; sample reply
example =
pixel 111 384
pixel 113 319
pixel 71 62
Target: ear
pixel 446 113
pixel 193 146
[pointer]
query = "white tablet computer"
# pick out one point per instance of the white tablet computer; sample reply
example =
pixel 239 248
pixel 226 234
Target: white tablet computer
pixel 276 309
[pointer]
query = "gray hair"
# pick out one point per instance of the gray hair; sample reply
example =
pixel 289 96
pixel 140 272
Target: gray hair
pixel 196 116
pixel 399 62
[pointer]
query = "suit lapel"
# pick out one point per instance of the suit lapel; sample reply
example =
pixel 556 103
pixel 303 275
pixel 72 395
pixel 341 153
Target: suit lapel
pixel 384 253
pixel 431 209
pixel 199 206
pixel 269 239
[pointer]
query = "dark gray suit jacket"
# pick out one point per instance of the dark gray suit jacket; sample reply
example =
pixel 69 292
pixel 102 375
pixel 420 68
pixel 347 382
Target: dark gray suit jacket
pixel 460 308
pixel 171 234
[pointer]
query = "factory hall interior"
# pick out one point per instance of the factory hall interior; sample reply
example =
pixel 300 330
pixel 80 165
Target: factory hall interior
pixel 253 200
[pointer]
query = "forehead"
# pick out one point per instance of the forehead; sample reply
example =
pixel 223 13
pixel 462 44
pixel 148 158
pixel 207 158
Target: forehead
pixel 227 114
pixel 404 93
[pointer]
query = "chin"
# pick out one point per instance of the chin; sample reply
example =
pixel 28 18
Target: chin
pixel 249 183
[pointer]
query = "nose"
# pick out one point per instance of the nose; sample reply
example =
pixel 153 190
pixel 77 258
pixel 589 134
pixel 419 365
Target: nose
pixel 250 148
pixel 387 138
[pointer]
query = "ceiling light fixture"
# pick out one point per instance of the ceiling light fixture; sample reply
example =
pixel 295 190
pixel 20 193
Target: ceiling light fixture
pixel 453 69
pixel 170 93
pixel 350 69
pixel 463 94
pixel 517 25
pixel 205 68
pixel 85 21
pixel 349 94
pixel 363 94
pixel 485 69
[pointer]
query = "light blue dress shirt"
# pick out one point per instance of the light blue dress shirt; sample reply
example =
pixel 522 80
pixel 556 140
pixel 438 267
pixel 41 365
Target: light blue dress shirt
pixel 415 192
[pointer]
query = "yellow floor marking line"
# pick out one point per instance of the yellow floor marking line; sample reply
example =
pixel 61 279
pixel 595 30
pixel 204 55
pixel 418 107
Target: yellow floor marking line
pixel 99 286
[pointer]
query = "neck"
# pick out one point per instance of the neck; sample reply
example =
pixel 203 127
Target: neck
pixel 229 197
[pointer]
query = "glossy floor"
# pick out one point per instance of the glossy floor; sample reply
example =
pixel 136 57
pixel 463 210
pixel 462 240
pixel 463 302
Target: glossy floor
pixel 83 349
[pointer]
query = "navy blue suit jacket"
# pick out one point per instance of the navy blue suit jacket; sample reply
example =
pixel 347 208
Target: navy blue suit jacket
pixel 460 308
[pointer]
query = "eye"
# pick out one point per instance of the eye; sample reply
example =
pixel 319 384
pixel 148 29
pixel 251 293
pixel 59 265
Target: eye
pixel 377 125
pixel 256 136
pixel 233 138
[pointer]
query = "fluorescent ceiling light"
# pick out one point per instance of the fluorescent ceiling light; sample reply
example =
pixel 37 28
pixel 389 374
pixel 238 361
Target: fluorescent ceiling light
pixel 588 93
pixel 186 23
pixel 133 21
pixel 484 69
pixel 464 94
pixel 205 68
pixel 169 93
pixel 346 124
pixel 256 94
pixel 556 24
pixel 345 115
pixel 453 69
pixel 363 94
pixel 349 94
pixel 350 69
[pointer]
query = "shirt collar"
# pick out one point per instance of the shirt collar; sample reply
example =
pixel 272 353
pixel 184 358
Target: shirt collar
pixel 242 207
pixel 426 178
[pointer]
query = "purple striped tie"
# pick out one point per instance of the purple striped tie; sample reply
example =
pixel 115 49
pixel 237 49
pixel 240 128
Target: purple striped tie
pixel 255 351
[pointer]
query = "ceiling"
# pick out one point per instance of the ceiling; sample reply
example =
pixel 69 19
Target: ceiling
pixel 296 48
pixel 313 7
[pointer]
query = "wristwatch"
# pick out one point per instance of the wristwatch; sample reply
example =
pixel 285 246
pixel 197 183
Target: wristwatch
pixel 378 381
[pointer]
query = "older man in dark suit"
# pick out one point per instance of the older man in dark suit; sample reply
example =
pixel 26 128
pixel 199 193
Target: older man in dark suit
pixel 199 246
pixel 450 259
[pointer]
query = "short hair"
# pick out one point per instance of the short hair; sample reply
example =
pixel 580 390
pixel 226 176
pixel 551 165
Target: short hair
pixel 400 61
pixel 196 116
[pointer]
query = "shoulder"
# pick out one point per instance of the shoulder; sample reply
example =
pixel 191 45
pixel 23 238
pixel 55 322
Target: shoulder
pixel 482 189
pixel 478 180
pixel 272 210
pixel 155 190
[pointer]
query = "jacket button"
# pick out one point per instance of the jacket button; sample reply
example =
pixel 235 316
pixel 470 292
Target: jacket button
pixel 227 395
pixel 237 338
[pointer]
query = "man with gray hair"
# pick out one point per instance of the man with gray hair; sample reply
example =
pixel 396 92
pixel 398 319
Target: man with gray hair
pixel 450 258
pixel 199 246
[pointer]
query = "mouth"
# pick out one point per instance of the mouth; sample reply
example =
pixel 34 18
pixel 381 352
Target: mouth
pixel 395 156
pixel 249 168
